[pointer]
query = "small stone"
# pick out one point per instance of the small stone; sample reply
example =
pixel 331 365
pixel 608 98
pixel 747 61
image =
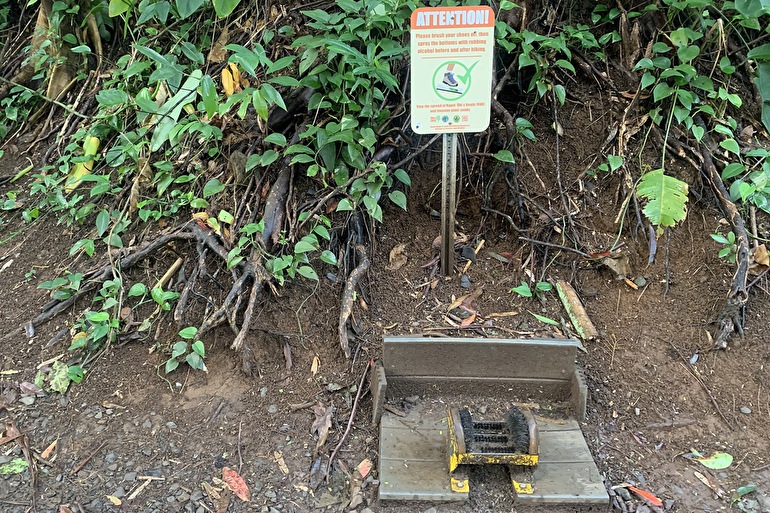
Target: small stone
pixel 112 466
pixel 171 425
pixel 130 477
pixel 272 409
pixel 270 494
pixel 745 410
pixel 120 492
pixel 28 400
pixel 147 451
pixel 465 281
pixel 196 495
pixel 200 509
pixel 412 399
pixel 263 392
pixel 147 424
pixel 111 457
pixel 430 510
pixel 640 281
pixel 98 415
pixel 170 499
pixel 183 497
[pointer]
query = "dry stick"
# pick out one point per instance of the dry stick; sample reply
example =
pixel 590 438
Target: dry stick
pixel 557 246
pixel 88 458
pixel 346 308
pixel 350 420
pixel 731 318
pixel 699 379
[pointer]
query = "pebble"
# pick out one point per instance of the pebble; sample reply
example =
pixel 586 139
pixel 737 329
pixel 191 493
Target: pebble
pixel 111 457
pixel 120 492
pixel 465 281
pixel 147 424
pixel 272 408
pixel 171 425
pixel 745 410
pixel 130 477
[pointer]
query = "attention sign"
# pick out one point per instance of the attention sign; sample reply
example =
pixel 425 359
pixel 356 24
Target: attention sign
pixel 451 68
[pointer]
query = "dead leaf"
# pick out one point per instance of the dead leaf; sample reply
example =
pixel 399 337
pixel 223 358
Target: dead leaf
pixel 468 320
pixel 397 257
pixel 707 481
pixel 617 264
pixel 364 467
pixel 648 496
pixel 281 462
pixel 114 500
pixel 210 491
pixel 65 509
pixel 322 423
pixel 236 483
pixel 48 450
pixel 218 53
pixel 228 84
pixel 760 255
pixel 314 365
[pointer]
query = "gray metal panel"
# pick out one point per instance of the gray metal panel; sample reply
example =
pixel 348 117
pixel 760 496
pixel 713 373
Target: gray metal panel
pixel 522 389
pixel 479 357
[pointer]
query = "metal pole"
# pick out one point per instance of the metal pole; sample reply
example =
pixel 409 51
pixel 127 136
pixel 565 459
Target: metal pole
pixel 448 203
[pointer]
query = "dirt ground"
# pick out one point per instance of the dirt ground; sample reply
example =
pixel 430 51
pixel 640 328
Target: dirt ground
pixel 656 391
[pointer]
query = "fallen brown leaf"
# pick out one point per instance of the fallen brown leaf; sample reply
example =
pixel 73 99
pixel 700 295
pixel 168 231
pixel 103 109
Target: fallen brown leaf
pixel 322 423
pixel 397 257
pixel 281 463
pixel 236 483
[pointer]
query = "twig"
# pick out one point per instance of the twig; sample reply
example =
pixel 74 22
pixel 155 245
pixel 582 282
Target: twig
pixel 697 377
pixel 346 308
pixel 240 456
pixel 350 420
pixel 88 458
pixel 557 246
pixel 44 97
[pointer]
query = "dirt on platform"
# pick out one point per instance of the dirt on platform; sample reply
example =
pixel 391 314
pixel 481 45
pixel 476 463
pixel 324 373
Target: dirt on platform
pixel 131 435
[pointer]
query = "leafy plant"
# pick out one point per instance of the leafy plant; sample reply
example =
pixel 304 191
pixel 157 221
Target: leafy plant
pixel 667 198
pixel 538 291
pixel 729 251
pixel 188 350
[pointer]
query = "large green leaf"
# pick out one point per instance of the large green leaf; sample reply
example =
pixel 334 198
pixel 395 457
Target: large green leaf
pixel 667 198
pixel 225 7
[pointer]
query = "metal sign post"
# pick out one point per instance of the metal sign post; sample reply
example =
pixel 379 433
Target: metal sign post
pixel 451 50
pixel 448 202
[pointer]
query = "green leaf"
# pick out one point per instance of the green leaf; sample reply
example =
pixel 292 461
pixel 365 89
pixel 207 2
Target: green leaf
pixel 273 96
pixel 188 333
pixel 225 7
pixel 59 377
pixel 277 139
pixel 102 222
pixel 137 289
pixel 731 145
pixel 87 245
pixel 199 348
pixel 76 373
pixel 698 132
pixel 212 187
pixel 328 257
pixel 667 197
pixel 209 95
pixel 111 97
pixel 504 156
pixel 15 466
pixel 402 177
pixel 195 361
pixel 187 7
pixel 179 349
pixel 661 91
pixel 732 169
pixel 717 461
pixel 399 198
pixel 308 272
pixel 304 246
pixel 544 319
pixel 226 217
pixel 97 317
pixel 760 53
pixel 118 7
pixel 523 290
pixel 615 161
pixel 171 365
pixel 687 53
pixel 344 204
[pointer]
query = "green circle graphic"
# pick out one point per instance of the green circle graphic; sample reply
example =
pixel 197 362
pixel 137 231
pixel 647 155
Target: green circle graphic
pixel 460 70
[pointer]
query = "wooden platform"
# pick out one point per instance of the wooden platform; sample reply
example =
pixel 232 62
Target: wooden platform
pixel 487 374
pixel 413 461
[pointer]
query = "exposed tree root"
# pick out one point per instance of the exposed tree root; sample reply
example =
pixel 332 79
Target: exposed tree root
pixel 348 297
pixel 731 318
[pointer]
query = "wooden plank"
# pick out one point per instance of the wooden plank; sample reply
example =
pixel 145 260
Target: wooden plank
pixel 378 386
pixel 479 357
pixel 524 390
pixel 565 483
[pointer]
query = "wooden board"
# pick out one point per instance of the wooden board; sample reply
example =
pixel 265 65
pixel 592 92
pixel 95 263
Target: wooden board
pixel 413 461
